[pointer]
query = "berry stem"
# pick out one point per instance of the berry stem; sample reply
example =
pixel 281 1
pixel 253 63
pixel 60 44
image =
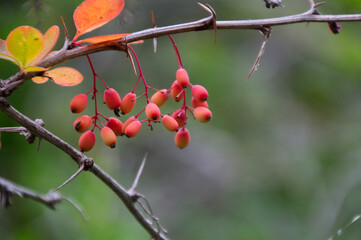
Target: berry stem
pixel 176 52
pixel 140 75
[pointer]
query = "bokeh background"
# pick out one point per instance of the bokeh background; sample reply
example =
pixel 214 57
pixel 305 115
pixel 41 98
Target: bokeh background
pixel 281 158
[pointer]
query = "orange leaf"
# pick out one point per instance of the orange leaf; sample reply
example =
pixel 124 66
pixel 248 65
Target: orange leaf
pixel 92 14
pixel 40 80
pixel 104 38
pixel 50 38
pixel 65 76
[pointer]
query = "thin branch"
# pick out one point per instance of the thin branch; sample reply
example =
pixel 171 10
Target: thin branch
pixel 65 54
pixel 79 158
pixel 9 188
pixel 68 52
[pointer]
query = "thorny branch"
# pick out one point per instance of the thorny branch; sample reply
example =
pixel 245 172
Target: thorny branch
pixel 208 23
pixel 89 165
pixel 129 198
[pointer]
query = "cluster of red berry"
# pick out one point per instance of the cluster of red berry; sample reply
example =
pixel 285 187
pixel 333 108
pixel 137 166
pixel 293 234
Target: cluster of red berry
pixel 175 122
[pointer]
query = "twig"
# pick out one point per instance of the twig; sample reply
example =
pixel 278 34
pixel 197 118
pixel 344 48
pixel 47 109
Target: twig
pixel 9 188
pixel 207 23
pixel 79 158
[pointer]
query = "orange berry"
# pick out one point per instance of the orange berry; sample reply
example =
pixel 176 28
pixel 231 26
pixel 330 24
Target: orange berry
pixel 116 125
pixel 86 141
pixel 128 103
pixel 180 116
pixel 182 77
pixel 78 103
pixel 160 97
pixel 199 93
pixel 133 129
pixel 112 99
pixel 152 112
pixel 127 122
pixel 170 123
pixel 108 137
pixel 196 103
pixel 202 114
pixel 176 91
pixel 182 138
pixel 82 123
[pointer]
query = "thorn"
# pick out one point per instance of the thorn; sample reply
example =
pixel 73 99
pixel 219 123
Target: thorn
pixel 210 10
pixel 81 168
pixel 38 147
pixel 77 208
pixel 133 65
pixel 154 39
pixel 65 29
pixel 266 32
pixel 140 171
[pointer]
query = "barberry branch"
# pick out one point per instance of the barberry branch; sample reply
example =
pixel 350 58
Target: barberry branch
pixel 89 165
pixel 9 188
pixel 68 52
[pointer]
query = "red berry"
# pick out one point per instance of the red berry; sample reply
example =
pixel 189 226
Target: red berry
pixel 152 112
pixel 133 129
pixel 78 103
pixel 182 138
pixel 127 122
pixel 182 77
pixel 112 99
pixel 196 103
pixel 108 137
pixel 176 91
pixel 86 141
pixel 160 97
pixel 116 125
pixel 170 123
pixel 180 116
pixel 82 123
pixel 202 114
pixel 128 103
pixel 199 93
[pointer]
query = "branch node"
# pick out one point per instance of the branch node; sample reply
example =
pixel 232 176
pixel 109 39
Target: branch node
pixel 4 102
pixel 87 162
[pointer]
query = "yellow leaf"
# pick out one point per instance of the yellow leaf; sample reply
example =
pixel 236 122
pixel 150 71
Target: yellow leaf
pixel 34 69
pixel 25 43
pixel 50 38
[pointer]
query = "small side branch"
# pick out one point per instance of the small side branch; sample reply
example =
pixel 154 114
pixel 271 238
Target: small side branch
pixel 9 188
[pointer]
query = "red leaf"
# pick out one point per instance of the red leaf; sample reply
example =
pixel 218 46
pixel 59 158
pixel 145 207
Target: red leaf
pixel 92 14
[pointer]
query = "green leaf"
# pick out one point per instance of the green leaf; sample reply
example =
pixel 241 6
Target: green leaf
pixel 25 43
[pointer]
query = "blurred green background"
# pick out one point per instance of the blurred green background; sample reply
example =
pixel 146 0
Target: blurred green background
pixel 281 158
